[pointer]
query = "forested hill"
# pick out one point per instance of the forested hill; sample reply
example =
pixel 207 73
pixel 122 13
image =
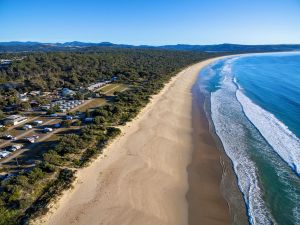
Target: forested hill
pixel 234 48
pixel 50 70
pixel 83 46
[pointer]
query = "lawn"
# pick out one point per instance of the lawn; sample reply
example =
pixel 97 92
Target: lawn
pixel 109 89
pixel 94 103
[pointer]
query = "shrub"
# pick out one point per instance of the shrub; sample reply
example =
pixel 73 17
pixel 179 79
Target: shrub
pixel 51 157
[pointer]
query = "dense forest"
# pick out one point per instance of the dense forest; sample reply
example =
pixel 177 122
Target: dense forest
pixel 28 193
pixel 47 71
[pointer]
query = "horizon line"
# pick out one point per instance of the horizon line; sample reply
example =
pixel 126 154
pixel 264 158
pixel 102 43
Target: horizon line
pixel 154 45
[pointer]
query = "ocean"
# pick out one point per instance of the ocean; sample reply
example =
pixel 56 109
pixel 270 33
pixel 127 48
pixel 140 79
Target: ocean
pixel 253 105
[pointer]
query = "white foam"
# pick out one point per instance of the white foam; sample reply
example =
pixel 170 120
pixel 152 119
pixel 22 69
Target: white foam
pixel 277 134
pixel 230 129
pixel 296 214
pixel 229 133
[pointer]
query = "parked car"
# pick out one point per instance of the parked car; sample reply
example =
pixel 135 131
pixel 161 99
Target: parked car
pixel 58 125
pixel 31 139
pixel 88 119
pixel 4 154
pixel 27 127
pixel 54 115
pixel 48 129
pixel 37 122
pixel 69 117
pixel 9 137
pixel 15 147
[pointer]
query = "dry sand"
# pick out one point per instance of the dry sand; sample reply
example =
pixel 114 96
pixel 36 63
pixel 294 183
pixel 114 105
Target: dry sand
pixel 142 178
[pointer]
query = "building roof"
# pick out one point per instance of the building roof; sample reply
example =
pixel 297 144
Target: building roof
pixel 67 91
pixel 14 117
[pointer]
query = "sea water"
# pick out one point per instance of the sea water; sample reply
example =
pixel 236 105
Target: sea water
pixel 254 107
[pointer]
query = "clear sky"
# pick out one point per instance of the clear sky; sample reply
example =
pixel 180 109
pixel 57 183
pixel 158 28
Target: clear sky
pixel 154 22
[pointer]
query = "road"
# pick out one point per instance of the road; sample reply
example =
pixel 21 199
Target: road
pixel 37 130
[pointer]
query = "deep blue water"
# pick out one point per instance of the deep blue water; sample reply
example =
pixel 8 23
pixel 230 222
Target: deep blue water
pixel 273 82
pixel 255 110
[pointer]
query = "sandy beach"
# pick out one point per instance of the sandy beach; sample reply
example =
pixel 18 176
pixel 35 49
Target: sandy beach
pixel 142 177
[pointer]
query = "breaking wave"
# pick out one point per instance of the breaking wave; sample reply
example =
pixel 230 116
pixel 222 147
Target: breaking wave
pixel 231 125
pixel 277 134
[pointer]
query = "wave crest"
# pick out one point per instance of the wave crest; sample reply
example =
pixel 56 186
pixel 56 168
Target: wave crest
pixel 277 134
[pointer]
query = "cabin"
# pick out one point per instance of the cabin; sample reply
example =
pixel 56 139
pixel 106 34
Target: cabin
pixel 96 86
pixel 15 119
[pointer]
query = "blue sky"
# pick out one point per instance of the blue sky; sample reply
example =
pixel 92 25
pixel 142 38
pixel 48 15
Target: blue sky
pixel 154 22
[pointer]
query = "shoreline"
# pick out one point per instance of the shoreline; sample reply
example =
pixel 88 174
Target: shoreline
pixel 206 202
pixel 142 176
pixel 221 169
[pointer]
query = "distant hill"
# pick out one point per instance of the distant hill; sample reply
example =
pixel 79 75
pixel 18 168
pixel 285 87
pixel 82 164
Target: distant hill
pixel 16 46
pixel 234 47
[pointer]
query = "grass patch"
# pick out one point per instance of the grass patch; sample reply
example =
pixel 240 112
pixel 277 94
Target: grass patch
pixel 108 87
pixel 94 103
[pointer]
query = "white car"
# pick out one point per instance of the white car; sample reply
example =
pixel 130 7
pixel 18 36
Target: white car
pixel 27 127
pixel 4 154
pixel 37 122
pixel 15 147
pixel 48 129
pixel 31 139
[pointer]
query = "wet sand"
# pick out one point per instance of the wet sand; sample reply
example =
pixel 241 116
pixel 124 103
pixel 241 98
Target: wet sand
pixel 142 177
pixel 212 182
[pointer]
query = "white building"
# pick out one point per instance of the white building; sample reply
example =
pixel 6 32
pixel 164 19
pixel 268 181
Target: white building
pixel 15 119
pixel 97 85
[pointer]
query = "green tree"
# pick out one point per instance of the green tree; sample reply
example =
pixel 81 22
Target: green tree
pixel 53 109
pixel 2 115
pixel 25 105
pixel 66 123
